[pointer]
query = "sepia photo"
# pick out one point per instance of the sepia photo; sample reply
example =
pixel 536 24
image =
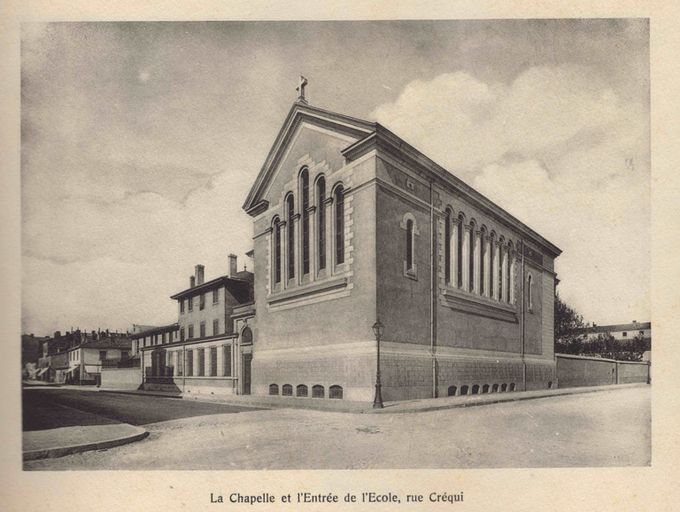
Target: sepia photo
pixel 340 256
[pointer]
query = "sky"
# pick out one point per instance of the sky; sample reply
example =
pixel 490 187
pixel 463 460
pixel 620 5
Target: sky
pixel 140 142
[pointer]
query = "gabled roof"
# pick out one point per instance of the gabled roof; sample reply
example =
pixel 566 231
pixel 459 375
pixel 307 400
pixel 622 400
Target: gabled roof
pixel 639 326
pixel 240 286
pixel 300 112
pixel 370 135
pixel 155 330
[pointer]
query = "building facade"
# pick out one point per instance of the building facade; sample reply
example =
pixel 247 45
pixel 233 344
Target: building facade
pixel 351 225
pixel 620 332
pixel 208 350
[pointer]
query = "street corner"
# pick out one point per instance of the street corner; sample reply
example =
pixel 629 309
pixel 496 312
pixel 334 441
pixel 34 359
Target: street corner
pixel 58 442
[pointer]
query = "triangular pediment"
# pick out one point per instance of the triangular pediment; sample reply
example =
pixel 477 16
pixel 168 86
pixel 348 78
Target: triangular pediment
pixel 304 129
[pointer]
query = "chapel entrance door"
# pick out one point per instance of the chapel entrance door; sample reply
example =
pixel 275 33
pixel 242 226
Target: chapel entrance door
pixel 245 367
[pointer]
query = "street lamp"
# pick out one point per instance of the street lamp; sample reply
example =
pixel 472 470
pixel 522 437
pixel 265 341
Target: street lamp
pixel 378 329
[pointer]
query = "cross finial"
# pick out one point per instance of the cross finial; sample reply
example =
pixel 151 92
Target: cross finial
pixel 301 89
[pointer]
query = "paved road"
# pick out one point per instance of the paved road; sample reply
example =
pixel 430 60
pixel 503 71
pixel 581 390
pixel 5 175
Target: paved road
pixel 45 408
pixel 607 428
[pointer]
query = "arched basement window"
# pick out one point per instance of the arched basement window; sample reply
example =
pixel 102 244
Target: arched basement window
pixel 475 389
pixel 287 390
pixel 464 390
pixel 485 388
pixel 273 389
pixel 290 213
pixel 304 178
pixel 494 388
pixel 301 390
pixel 335 392
pixel 318 391
pixel 452 391
pixel 321 225
pixel 339 225
pixel 504 387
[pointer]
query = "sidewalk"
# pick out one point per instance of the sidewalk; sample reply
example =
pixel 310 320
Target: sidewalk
pixel 57 442
pixel 404 406
pixel 56 430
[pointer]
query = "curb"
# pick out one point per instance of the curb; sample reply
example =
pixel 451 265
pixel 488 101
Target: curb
pixel 60 451
pixel 507 398
pixel 137 393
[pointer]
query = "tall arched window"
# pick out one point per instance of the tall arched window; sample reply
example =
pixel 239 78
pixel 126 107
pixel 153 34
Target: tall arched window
pixel 461 236
pixel 471 259
pixel 290 213
pixel 530 292
pixel 339 225
pixel 277 250
pixel 304 185
pixel 409 245
pixel 447 246
pixel 492 254
pixel 499 277
pixel 508 276
pixel 321 225
pixel 482 275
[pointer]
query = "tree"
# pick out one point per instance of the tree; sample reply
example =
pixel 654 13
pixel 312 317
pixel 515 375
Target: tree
pixel 567 321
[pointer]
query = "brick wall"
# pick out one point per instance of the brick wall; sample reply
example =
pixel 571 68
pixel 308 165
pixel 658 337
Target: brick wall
pixel 575 371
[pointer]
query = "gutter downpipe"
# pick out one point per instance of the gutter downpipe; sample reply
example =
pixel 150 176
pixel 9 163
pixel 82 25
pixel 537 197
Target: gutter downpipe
pixel 433 260
pixel 522 332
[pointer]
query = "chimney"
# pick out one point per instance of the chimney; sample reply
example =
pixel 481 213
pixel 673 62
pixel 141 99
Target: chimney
pixel 192 281
pixel 233 269
pixel 200 269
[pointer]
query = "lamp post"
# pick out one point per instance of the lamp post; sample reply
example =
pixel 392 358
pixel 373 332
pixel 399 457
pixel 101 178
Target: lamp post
pixel 378 329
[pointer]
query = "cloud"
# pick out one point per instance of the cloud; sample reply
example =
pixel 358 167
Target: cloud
pixel 553 147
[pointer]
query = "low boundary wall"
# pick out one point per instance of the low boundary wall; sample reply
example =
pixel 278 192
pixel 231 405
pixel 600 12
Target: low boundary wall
pixel 121 378
pixel 576 371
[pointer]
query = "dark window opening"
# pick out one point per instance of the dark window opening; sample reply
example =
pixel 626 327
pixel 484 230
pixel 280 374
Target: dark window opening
pixel 447 247
pixel 277 251
pixel 213 361
pixel 301 390
pixel 273 389
pixel 227 360
pixel 512 386
pixel 335 392
pixel 494 388
pixel 485 388
pixel 287 390
pixel 464 390
pixel 452 390
pixel 317 391
pixel 409 244
pixel 504 387
pixel 291 236
pixel 339 225
pixel 321 236
pixel 475 389
pixel 305 222
pixel 461 234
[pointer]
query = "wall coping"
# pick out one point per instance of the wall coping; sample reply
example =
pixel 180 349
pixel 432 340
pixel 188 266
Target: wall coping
pixel 603 359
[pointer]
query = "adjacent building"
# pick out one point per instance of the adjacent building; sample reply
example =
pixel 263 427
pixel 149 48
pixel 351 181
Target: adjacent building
pixel 620 332
pixel 197 356
pixel 77 357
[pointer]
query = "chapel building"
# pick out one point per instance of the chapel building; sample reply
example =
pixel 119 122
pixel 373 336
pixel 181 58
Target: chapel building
pixel 351 225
